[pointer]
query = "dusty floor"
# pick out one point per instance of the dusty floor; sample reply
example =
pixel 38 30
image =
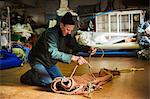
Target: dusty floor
pixel 131 85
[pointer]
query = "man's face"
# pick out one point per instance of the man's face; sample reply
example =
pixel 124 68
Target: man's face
pixel 67 29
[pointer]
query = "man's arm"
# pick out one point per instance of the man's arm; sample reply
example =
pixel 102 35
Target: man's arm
pixel 52 42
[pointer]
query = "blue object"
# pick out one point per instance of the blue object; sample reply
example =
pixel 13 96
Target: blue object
pixel 8 60
pixel 111 53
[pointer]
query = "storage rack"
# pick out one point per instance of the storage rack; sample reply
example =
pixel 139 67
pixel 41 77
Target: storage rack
pixel 5 27
pixel 119 21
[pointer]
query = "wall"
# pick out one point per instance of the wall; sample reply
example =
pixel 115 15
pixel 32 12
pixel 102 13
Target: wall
pixel 46 9
pixel 43 10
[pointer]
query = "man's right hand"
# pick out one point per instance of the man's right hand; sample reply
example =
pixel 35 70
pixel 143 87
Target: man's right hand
pixel 79 59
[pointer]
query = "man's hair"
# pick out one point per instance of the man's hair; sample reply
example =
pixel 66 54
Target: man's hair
pixel 68 19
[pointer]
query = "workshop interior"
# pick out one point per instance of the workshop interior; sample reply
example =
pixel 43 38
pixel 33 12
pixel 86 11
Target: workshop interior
pixel 119 30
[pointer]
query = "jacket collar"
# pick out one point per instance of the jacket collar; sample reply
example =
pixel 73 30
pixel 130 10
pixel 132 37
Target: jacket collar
pixel 59 31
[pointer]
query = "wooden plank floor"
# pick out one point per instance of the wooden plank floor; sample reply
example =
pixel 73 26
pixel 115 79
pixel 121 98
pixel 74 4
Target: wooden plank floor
pixel 131 85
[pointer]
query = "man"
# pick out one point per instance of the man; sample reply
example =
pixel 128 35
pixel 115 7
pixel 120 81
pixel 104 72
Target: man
pixel 51 47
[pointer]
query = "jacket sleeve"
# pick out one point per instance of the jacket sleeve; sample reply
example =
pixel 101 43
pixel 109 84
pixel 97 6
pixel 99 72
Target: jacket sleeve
pixel 52 42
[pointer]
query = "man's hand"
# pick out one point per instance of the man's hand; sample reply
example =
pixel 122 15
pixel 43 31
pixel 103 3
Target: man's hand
pixel 93 50
pixel 80 60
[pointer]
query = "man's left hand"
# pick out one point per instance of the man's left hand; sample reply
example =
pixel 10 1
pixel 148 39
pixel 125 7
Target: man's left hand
pixel 93 50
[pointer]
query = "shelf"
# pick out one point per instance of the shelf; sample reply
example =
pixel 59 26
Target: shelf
pixel 118 21
pixel 5 33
